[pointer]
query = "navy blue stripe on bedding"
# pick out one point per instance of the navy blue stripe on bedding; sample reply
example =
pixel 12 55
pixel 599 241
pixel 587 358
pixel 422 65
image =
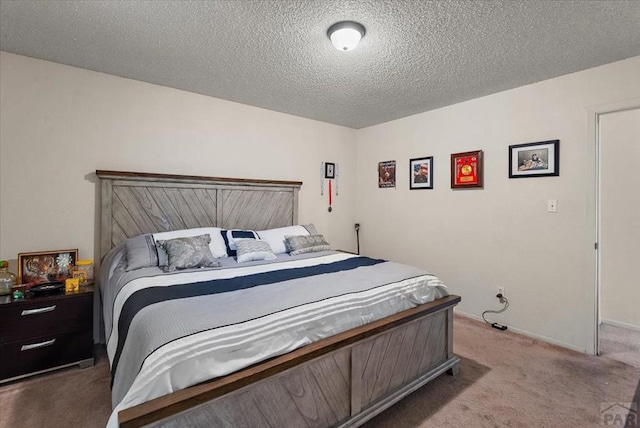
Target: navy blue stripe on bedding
pixel 148 296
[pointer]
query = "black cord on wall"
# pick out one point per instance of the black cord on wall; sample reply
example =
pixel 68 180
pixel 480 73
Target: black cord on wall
pixel 358 236
pixel 499 326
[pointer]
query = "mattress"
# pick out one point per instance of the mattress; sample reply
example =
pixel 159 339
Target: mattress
pixel 169 331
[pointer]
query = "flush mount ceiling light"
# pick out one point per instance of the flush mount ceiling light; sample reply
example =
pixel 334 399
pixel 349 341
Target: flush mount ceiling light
pixel 346 35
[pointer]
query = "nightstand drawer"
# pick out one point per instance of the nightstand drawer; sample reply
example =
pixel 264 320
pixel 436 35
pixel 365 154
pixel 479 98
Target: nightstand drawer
pixel 45 316
pixel 44 352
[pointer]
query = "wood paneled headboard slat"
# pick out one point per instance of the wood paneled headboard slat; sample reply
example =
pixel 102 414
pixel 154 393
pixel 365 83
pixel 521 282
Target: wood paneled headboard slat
pixel 147 176
pixel 134 203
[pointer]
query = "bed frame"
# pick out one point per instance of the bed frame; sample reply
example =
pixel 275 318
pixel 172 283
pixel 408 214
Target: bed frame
pixel 343 380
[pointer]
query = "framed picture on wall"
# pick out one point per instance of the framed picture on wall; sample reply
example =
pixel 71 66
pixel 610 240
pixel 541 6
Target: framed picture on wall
pixel 421 173
pixel 541 159
pixel 387 174
pixel 467 170
pixel 329 170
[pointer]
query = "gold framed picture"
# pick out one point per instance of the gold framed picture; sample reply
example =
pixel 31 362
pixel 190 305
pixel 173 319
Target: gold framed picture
pixel 81 275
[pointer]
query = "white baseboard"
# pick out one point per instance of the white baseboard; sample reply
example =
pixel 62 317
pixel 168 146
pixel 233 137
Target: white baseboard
pixel 620 324
pixel 530 334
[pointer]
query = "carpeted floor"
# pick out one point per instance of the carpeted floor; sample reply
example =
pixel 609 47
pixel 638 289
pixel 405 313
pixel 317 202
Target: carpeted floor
pixel 511 380
pixel 505 380
pixel 70 397
pixel 620 344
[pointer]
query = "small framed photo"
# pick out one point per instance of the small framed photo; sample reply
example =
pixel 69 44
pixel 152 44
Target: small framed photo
pixel 387 174
pixel 46 266
pixel 541 159
pixel 421 170
pixel 81 275
pixel 467 170
pixel 71 284
pixel 329 170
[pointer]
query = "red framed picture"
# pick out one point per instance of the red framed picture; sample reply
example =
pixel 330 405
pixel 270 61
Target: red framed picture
pixel 467 170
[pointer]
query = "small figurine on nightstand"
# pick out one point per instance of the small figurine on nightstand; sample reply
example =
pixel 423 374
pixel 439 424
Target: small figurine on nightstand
pixel 17 295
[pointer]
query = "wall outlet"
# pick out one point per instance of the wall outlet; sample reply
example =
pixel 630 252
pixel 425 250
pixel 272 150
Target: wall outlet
pixel 501 290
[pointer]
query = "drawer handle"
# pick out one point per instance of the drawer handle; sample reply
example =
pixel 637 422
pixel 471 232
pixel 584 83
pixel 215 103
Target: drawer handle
pixel 38 311
pixel 37 345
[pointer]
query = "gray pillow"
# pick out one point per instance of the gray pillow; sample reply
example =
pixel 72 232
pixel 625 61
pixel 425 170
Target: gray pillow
pixel 253 249
pixel 141 252
pixel 188 252
pixel 306 244
pixel 311 228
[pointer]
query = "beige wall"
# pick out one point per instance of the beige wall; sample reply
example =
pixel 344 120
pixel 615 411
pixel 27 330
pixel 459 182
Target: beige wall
pixel 58 124
pixel 476 240
pixel 620 218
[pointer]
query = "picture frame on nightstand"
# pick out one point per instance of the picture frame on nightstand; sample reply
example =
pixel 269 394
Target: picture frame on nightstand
pixel 46 266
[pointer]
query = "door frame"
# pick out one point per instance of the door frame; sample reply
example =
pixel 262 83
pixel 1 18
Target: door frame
pixel 593 138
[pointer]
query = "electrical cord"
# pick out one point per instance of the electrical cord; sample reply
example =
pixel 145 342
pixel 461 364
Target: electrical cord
pixel 502 300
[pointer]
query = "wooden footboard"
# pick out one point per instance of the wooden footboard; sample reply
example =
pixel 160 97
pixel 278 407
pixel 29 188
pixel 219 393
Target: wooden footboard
pixel 343 380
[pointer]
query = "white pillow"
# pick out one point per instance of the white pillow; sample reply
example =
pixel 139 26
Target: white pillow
pixel 217 247
pixel 275 237
pixel 253 249
pixel 230 242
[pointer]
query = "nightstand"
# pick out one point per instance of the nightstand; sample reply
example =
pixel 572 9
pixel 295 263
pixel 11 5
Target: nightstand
pixel 45 331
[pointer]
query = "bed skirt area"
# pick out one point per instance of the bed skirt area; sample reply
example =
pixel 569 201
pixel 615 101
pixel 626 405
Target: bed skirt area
pixel 340 381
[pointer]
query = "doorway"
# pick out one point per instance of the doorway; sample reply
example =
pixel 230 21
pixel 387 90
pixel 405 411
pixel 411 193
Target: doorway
pixel 618 224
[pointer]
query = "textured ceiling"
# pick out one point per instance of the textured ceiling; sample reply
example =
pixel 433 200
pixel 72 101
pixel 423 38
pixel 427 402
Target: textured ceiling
pixel 416 55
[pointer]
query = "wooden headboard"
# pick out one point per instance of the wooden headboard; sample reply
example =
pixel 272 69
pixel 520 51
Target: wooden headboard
pixel 133 203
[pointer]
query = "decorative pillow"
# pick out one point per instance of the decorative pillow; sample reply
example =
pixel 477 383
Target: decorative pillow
pixel 217 247
pixel 306 244
pixel 311 228
pixel 188 252
pixel 253 249
pixel 230 237
pixel 275 237
pixel 141 252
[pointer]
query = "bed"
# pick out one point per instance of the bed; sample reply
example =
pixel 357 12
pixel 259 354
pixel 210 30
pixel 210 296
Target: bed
pixel 322 339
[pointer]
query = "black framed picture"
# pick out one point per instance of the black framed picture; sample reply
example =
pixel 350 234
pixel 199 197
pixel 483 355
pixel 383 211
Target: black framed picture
pixel 540 159
pixel 329 170
pixel 421 173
